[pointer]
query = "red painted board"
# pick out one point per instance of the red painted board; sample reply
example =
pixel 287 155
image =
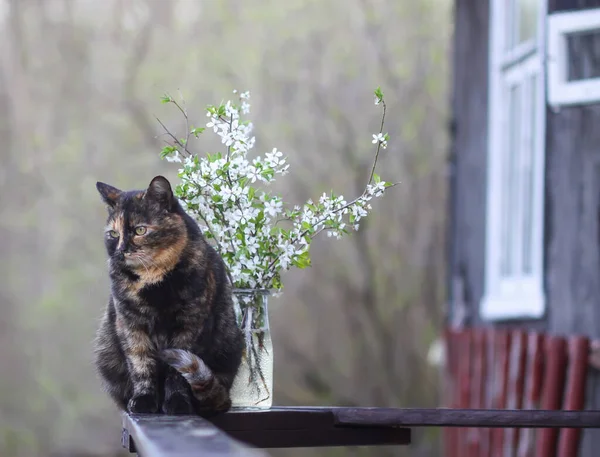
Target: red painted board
pixel 574 399
pixel 534 372
pixel 555 349
pixel 516 387
pixel 502 342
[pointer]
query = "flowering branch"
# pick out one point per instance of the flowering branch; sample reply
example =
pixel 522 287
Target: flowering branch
pixel 244 220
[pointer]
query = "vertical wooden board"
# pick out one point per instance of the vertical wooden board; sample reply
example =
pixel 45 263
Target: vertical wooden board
pixel 574 398
pixel 468 159
pixel 516 385
pixel 490 388
pixel 555 355
pixel 450 389
pixel 464 385
pixel 534 371
pixel 478 388
pixel 502 343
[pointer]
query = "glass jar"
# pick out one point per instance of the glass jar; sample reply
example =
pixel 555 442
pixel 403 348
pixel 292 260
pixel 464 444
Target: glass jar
pixel 253 385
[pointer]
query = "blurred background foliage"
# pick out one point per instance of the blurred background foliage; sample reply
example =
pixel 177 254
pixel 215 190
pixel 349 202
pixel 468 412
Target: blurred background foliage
pixel 80 84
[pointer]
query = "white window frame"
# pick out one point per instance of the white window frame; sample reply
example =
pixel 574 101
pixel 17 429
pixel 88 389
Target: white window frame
pixel 519 297
pixel 561 91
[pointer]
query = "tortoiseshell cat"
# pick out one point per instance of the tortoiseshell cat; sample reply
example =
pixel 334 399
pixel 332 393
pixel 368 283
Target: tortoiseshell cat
pixel 168 340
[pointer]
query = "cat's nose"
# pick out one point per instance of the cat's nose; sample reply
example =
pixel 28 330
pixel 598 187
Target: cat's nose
pixel 120 255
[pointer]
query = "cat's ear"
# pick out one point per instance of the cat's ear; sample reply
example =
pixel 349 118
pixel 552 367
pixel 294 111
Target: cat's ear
pixel 109 194
pixel 160 193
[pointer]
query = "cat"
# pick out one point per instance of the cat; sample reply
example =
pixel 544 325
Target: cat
pixel 168 341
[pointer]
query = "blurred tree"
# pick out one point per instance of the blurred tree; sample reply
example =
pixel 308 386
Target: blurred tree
pixel 80 82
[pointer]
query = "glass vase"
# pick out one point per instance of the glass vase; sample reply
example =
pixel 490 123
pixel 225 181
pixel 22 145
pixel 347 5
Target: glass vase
pixel 253 385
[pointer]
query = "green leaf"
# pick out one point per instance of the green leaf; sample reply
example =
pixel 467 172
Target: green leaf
pixel 197 131
pixel 277 282
pixel 376 178
pixel 302 260
pixel 167 150
pixel 166 99
pixel 379 93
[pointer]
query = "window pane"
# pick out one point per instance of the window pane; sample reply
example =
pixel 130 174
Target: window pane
pixel 527 19
pixel 583 49
pixel 528 164
pixel 510 184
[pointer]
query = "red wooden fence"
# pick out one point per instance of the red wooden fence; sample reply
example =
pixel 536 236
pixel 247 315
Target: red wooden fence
pixel 512 369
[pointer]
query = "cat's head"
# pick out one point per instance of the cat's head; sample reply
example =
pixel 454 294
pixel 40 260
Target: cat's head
pixel 145 231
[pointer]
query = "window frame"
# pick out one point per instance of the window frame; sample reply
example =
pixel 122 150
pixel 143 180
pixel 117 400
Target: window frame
pixel 520 297
pixel 560 90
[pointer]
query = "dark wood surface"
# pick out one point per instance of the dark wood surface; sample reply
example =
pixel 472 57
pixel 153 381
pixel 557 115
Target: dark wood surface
pixel 286 427
pixel 289 417
pixel 468 418
pixel 231 434
pixel 153 435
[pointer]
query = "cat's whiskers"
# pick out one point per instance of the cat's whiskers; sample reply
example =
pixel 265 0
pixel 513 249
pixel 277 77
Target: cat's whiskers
pixel 154 265
pixel 141 260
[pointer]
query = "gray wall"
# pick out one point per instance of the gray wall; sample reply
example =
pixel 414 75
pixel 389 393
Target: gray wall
pixel 572 219
pixel 468 158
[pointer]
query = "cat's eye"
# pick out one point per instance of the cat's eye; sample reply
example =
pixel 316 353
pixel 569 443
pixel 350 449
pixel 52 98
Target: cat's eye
pixel 113 234
pixel 140 230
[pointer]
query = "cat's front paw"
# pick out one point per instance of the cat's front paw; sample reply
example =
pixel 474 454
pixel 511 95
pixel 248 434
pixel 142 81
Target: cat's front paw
pixel 178 403
pixel 143 404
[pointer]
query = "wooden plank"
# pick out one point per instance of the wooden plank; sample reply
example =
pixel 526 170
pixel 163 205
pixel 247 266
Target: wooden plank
pixel 533 388
pixel 554 384
pixel 450 400
pixel 464 384
pixel 502 343
pixel 157 435
pixel 154 434
pixel 324 437
pixel 579 349
pixel 486 433
pixel 441 417
pixel 474 435
pixel 516 385
pixel 305 427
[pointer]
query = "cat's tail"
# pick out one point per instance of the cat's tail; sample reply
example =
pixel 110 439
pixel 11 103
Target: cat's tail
pixel 207 387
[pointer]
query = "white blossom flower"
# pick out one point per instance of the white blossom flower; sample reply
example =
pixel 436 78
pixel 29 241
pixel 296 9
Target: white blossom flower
pixel 273 207
pixel 173 157
pixel 380 138
pixel 242 221
pixel 252 174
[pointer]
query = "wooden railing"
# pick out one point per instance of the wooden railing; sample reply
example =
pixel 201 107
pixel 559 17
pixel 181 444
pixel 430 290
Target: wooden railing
pixel 242 433
pixel 501 385
pixel 503 368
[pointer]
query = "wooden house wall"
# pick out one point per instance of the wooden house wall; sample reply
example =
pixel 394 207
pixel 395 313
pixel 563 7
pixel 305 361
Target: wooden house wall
pixel 468 158
pixel 572 188
pixel 572 238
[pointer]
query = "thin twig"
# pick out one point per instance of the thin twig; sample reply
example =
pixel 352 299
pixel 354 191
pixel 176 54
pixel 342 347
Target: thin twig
pixel 347 205
pixel 175 139
pixel 378 144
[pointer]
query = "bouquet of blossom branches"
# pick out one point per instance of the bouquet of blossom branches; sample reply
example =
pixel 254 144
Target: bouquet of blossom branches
pixel 257 235
pixel 255 232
